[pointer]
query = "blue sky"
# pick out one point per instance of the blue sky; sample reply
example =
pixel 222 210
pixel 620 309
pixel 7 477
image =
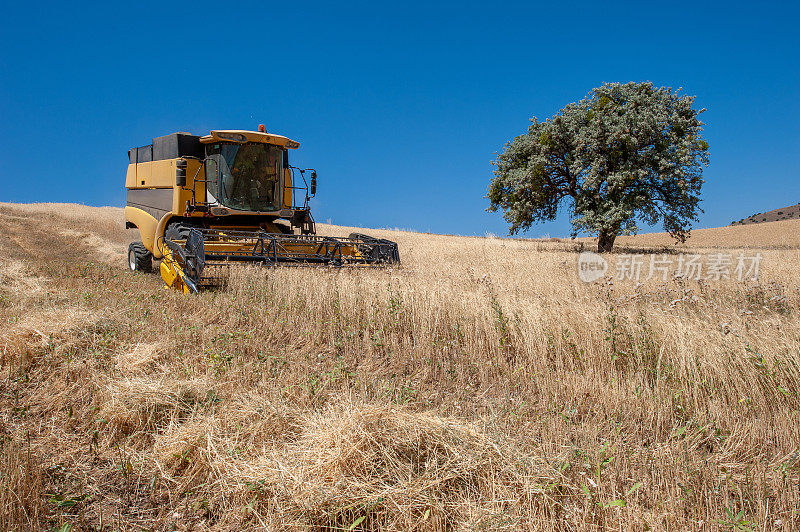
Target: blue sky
pixel 399 106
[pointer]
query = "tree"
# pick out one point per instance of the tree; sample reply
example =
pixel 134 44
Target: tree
pixel 624 153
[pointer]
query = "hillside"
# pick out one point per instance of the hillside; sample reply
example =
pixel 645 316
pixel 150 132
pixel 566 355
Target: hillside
pixel 478 385
pixel 791 212
pixel 769 235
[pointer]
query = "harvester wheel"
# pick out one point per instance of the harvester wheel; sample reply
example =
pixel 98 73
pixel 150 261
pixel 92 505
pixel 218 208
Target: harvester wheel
pixel 139 259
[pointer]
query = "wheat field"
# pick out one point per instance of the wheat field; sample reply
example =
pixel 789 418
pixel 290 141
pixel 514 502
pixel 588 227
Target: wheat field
pixel 479 385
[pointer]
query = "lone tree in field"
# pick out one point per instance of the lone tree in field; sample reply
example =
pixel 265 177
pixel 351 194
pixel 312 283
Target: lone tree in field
pixel 624 153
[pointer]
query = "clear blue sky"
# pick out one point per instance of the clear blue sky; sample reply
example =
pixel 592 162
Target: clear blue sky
pixel 399 106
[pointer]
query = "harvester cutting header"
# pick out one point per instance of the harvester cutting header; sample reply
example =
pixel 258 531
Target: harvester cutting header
pixel 202 202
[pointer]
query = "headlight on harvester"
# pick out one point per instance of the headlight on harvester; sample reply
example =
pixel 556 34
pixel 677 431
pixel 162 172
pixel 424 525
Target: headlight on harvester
pixel 235 137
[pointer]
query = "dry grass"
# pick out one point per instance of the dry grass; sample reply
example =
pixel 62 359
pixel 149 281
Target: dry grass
pixel 784 234
pixel 480 385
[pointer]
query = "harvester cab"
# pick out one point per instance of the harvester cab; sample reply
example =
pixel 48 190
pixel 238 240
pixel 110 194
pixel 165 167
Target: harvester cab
pixel 203 202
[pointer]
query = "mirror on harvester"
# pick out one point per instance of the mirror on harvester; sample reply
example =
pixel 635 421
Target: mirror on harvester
pixel 313 188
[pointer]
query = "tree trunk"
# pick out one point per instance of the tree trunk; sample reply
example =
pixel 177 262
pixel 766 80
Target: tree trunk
pixel 605 241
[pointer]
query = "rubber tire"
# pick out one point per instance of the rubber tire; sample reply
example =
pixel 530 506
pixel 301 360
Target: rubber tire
pixel 139 259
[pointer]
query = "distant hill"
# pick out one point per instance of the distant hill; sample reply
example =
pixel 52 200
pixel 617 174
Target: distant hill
pixel 787 213
pixel 768 235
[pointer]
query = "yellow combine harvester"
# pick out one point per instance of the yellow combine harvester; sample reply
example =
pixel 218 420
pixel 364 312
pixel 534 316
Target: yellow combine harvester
pixel 202 202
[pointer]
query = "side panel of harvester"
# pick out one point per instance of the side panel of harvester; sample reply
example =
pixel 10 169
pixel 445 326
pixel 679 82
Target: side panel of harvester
pixel 154 195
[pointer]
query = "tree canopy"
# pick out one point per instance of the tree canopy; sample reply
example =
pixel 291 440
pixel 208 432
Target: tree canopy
pixel 624 153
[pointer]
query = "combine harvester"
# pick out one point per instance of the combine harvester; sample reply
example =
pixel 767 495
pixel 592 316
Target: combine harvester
pixel 201 203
